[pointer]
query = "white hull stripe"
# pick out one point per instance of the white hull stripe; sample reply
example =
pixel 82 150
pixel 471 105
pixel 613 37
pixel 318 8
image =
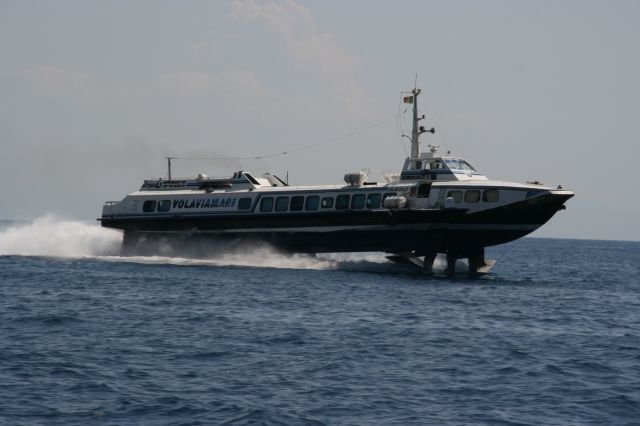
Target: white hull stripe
pixel 321 229
pixel 318 229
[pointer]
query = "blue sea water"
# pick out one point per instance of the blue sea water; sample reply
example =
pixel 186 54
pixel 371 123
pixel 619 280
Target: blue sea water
pixel 550 337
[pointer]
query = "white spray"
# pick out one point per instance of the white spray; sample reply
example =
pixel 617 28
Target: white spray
pixel 51 236
pixel 55 237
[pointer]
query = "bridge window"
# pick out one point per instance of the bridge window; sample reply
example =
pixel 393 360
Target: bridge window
pixel 373 201
pixel 327 202
pixel 282 203
pixel 164 206
pixel 491 196
pixel 456 195
pixel 244 203
pixel 297 203
pixel 453 164
pixel 266 204
pixel 472 196
pixel 342 202
pixel 466 166
pixel 149 206
pixel 312 203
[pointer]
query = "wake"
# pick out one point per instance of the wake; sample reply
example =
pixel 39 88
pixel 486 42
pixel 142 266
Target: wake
pixel 50 236
pixel 54 237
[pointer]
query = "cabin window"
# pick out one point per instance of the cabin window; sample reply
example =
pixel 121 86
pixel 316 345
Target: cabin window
pixel 164 206
pixel 342 202
pixel 423 190
pixel 326 203
pixel 472 196
pixel 282 203
pixel 456 195
pixel 491 196
pixel 357 201
pixel 149 206
pixel 244 203
pixel 266 204
pixel 312 203
pixel 373 201
pixel 297 203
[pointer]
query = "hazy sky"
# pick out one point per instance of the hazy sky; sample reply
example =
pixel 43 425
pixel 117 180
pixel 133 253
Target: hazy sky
pixel 94 95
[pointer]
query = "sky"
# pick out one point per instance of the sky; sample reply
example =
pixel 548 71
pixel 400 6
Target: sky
pixel 94 95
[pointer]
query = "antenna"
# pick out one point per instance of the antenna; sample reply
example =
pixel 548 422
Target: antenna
pixel 169 166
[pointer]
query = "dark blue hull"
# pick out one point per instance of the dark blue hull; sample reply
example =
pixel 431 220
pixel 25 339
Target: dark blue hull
pixel 418 231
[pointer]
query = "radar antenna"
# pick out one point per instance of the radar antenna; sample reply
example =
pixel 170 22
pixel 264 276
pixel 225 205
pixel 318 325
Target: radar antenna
pixel 169 166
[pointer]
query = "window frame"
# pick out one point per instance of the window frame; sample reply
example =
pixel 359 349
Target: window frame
pixel 341 204
pixel 361 199
pixel 378 201
pixel 264 201
pixel 281 201
pixel 452 194
pixel 309 205
pixel 296 204
pixel 327 202
pixel 152 203
pixel 166 203
pixel 485 197
pixel 468 193
pixel 242 203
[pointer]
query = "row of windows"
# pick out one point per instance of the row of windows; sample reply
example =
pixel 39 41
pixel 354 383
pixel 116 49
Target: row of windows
pixel 315 202
pixel 473 195
pixel 341 202
pixel 152 205
pixel 295 203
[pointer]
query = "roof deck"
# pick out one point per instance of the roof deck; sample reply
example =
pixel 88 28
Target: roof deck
pixel 239 180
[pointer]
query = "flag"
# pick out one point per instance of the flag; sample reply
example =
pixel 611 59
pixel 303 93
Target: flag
pixel 408 99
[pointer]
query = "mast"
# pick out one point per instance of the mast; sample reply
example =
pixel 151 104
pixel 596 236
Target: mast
pixel 417 130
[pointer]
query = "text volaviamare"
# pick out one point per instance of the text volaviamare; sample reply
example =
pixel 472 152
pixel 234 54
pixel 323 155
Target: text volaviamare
pixel 204 203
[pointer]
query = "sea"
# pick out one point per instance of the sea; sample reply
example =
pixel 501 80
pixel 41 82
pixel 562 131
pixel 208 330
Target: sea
pixel 551 336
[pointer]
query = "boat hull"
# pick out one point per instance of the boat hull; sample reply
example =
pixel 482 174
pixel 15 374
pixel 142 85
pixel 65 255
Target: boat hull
pixel 502 224
pixel 345 231
pixel 419 231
